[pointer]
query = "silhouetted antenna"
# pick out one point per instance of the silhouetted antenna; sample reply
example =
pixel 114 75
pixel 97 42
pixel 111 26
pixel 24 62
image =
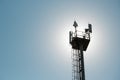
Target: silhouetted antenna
pixel 75 25
pixel 79 42
pixel 90 27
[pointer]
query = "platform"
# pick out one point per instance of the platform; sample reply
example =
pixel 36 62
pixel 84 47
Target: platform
pixel 77 42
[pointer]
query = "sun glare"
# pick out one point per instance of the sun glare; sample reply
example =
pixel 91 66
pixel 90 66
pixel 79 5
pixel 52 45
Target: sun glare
pixel 62 37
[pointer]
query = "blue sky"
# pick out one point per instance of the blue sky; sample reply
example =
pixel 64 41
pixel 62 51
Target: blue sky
pixel 34 42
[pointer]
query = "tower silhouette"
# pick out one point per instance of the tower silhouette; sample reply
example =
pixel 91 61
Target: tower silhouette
pixel 79 41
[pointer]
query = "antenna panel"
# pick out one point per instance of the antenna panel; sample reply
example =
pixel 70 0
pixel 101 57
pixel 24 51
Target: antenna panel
pixel 90 27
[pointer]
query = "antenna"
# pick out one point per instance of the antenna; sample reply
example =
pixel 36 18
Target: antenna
pixel 70 37
pixel 90 27
pixel 75 25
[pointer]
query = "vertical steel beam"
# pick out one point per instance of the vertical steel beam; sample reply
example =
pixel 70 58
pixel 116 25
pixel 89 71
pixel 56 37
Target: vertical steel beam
pixel 82 63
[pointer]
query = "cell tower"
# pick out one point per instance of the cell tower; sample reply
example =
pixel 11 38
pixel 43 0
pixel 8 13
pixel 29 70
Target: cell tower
pixel 79 41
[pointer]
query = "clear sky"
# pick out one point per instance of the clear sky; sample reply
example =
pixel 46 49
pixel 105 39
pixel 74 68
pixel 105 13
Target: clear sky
pixel 34 42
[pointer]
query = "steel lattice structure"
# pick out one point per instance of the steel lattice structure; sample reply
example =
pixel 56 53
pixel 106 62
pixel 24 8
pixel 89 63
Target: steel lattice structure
pixel 79 42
